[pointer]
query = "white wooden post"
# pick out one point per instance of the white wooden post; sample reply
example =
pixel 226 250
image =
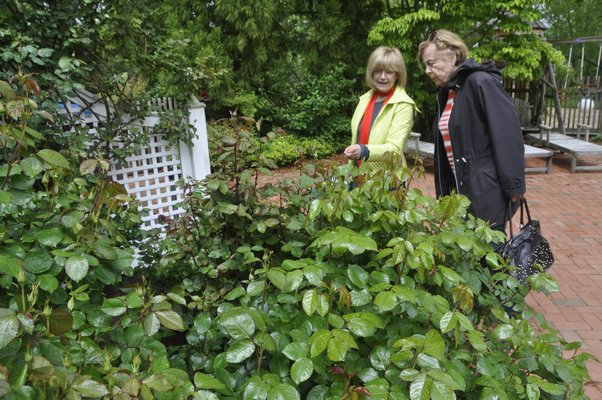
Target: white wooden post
pixel 195 159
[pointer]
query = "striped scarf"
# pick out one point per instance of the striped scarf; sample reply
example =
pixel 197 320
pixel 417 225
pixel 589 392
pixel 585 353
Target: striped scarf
pixel 444 128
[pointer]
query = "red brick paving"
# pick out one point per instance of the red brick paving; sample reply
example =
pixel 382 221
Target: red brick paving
pixel 569 207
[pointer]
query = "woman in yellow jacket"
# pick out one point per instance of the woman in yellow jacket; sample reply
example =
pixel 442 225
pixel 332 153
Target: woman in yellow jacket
pixel 384 116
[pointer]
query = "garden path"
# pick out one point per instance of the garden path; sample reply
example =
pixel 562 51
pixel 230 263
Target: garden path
pixel 569 207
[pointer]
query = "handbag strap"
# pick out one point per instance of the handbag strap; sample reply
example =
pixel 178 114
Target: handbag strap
pixel 523 207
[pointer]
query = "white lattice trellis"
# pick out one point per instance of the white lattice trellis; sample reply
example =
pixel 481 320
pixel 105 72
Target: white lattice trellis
pixel 153 173
pixel 151 176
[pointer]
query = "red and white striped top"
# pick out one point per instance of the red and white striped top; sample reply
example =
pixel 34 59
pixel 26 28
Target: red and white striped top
pixel 444 128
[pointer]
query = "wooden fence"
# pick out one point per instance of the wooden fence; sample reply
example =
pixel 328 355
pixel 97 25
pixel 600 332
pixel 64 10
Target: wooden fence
pixel 578 106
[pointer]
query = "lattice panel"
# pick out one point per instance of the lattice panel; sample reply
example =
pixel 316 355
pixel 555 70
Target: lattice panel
pixel 151 176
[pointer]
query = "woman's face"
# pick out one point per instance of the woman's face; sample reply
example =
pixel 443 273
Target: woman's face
pixel 384 79
pixel 439 64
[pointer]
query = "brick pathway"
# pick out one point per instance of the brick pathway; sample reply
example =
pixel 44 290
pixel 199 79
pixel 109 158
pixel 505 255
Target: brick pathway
pixel 569 207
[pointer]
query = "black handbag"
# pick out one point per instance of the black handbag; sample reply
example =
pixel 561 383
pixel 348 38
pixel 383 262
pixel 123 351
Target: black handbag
pixel 528 252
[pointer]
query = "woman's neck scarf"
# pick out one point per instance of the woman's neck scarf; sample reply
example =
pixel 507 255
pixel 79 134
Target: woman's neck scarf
pixel 369 115
pixel 366 124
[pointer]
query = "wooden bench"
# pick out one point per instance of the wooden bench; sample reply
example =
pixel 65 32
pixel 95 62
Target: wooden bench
pixel 415 146
pixel 575 148
pixel 532 151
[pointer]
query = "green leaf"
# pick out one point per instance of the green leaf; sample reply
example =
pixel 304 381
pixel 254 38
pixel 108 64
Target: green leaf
pixel 235 293
pixel 503 331
pixel 10 265
pixel 37 263
pixel 380 358
pixel 151 324
pixel 90 388
pixel 170 320
pixel 448 321
pixel 545 385
pixel 434 345
pixel 476 340
pixel 343 239
pixel 358 276
pixel 60 322
pixel 87 167
pixel 360 298
pixel 53 158
pixel 76 268
pixel 9 326
pixel 442 392
pixel 278 278
pixel 237 323
pixel 240 350
pixel 385 301
pixel 134 335
pixel 105 251
pixel 32 166
pixel 256 390
pixel 318 342
pixel 295 351
pixel 255 288
pixel 205 381
pixel 337 349
pixel 114 307
pixel 313 274
pixel 302 370
pixel 421 388
pixel 283 392
pixel 425 361
pixel 133 300
pixel 409 374
pixel 323 304
pixel 47 282
pixel 361 327
pixel 310 301
pixel 5 198
pixel 532 391
pixel 158 382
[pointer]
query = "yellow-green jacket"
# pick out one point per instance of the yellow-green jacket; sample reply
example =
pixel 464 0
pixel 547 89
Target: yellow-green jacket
pixel 390 131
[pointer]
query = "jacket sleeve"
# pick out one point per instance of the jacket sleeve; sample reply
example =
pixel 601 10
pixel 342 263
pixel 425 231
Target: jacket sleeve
pixel 506 137
pixel 396 136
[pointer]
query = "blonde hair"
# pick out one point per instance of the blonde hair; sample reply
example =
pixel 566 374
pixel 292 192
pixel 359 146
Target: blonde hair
pixel 445 40
pixel 390 59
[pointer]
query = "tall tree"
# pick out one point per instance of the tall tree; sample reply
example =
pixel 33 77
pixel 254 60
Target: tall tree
pixel 572 19
pixel 497 30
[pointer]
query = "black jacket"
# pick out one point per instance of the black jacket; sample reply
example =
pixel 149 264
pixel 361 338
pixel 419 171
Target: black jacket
pixel 487 143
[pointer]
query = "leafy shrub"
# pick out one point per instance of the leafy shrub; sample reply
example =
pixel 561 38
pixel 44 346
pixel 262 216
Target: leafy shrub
pixel 313 291
pixel 308 104
pixel 286 149
pixel 76 321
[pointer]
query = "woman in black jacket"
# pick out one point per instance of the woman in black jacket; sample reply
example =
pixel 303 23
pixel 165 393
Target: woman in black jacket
pixel 479 148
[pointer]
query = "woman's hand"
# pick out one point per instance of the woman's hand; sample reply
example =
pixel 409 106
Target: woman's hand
pixel 518 197
pixel 353 152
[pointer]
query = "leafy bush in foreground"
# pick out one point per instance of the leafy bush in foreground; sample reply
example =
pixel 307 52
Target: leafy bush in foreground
pixel 309 290
pixel 76 321
pixel 306 290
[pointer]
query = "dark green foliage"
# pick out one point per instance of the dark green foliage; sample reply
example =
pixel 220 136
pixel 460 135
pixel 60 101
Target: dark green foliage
pixel 309 290
pixel 286 149
pixel 309 104
pixel 75 319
